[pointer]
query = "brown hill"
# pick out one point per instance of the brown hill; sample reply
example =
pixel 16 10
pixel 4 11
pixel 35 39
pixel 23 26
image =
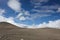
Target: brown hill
pixel 12 32
pixel 7 25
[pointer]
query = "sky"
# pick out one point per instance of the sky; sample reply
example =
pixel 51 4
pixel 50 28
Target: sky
pixel 31 13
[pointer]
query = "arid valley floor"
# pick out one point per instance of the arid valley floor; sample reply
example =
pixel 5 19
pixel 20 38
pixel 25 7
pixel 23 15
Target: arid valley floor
pixel 11 32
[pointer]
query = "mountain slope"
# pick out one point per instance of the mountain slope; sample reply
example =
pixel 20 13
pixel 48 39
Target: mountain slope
pixel 7 25
pixel 11 32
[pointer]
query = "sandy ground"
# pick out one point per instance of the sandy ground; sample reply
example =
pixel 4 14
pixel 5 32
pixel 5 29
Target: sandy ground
pixel 11 32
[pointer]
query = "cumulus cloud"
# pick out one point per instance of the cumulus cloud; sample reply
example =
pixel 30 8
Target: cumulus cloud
pixel 15 5
pixel 51 24
pixel 10 19
pixel 22 18
pixel 21 15
pixel 2 18
pixel 54 24
pixel 27 13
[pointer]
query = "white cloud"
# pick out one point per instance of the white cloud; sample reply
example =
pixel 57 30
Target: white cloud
pixel 27 13
pixel 58 10
pixel 43 11
pixel 51 24
pixel 15 5
pixel 2 11
pixel 22 18
pixel 2 18
pixel 50 7
pixel 54 24
pixel 38 15
pixel 21 15
pixel 9 20
pixel 43 25
pixel 38 2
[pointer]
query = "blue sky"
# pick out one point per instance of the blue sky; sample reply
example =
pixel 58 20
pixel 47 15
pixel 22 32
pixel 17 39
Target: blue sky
pixel 31 12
